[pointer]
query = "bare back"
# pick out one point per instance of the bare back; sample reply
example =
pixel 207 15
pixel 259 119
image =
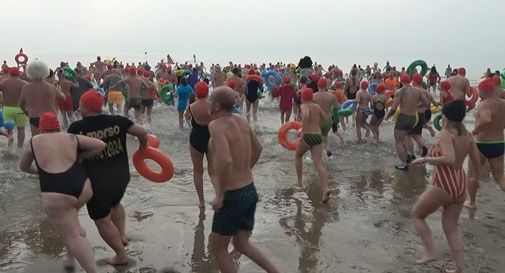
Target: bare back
pixel 134 84
pixel 237 134
pixel 363 98
pixel 38 97
pixel 200 111
pixel 460 86
pixel 46 146
pixel 311 118
pixel 11 88
pixel 494 130
pixel 218 78
pixel 410 97
pixel 325 100
pixel 461 145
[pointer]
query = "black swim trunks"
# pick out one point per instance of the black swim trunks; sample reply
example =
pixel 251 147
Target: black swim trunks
pixel 147 102
pixel 418 130
pixel 237 212
pixel 35 122
pixel 405 122
pixel 134 103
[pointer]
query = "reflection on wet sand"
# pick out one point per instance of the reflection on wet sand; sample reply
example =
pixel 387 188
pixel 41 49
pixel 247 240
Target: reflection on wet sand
pixel 201 261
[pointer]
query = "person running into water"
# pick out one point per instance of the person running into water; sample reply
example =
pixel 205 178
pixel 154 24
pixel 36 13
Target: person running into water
pixel 198 113
pixel 11 88
pixel 115 96
pixel 64 183
pixel 326 101
pixel 433 79
pixel 148 93
pixel 66 105
pixel 235 150
pixel 183 93
pixel 379 111
pixel 448 189
pixel 416 133
pixel 134 84
pixel 287 94
pixel 407 98
pixel 253 85
pixel 488 132
pixel 311 138
pixel 364 100
pixel 38 96
pixel 108 171
pixel 460 86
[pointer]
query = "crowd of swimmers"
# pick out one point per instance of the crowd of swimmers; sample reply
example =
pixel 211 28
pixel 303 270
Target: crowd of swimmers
pixel 75 167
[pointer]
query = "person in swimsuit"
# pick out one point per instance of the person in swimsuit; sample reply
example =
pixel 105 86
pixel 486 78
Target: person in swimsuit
pixel 488 132
pixel 326 101
pixel 311 139
pixel 148 94
pixel 445 93
pixel 286 93
pixel 448 189
pixel 11 87
pixel 379 111
pixel 298 99
pixel 198 113
pixel 253 86
pixel 64 184
pixel 363 99
pixel 108 171
pixel 235 150
pixel 416 134
pixel 183 93
pixel 433 79
pixel 352 84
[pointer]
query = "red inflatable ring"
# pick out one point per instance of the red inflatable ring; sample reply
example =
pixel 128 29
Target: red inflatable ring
pixel 167 167
pixel 19 56
pixel 283 134
pixel 473 100
pixel 153 141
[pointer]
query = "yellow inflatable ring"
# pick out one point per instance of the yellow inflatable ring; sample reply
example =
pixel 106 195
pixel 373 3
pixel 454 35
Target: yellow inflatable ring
pixel 397 113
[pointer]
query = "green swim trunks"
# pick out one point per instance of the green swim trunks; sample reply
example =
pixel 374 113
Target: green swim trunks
pixel 15 114
pixel 326 126
pixel 313 139
pixel 405 122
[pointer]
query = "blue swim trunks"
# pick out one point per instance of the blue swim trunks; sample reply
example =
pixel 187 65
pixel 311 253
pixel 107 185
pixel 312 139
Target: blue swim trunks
pixel 237 212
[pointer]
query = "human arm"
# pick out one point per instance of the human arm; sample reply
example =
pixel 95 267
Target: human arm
pixel 468 90
pixel 122 81
pixel 187 113
pixel 448 154
pixel 89 146
pixel 26 161
pixel 140 133
pixel 483 119
pixel 396 103
pixel 256 149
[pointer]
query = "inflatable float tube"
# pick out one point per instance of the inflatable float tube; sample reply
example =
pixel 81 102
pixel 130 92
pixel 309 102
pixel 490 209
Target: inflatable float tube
pixel 266 76
pixel 435 109
pixel 153 141
pixel 436 122
pixel 397 113
pixel 21 58
pixel 167 167
pixel 345 113
pixel 349 104
pixel 69 74
pixel 502 78
pixel 422 64
pixel 373 89
pixel 282 135
pixel 473 100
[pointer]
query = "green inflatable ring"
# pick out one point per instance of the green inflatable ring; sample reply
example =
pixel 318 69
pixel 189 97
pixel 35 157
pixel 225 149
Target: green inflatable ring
pixel 422 64
pixel 436 122
pixel 345 112
pixel 69 74
pixel 502 78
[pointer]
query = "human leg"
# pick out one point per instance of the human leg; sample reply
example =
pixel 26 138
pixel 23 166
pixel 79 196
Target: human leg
pixel 450 218
pixel 317 154
pixel 301 149
pixel 197 159
pixel 242 244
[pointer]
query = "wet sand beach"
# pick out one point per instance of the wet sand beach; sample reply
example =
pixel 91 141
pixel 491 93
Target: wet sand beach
pixel 365 227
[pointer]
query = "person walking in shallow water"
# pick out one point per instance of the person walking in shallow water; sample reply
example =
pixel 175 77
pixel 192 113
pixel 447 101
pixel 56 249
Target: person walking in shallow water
pixel 448 189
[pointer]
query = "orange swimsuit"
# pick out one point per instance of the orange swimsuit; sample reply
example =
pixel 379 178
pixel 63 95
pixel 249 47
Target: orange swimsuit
pixel 448 178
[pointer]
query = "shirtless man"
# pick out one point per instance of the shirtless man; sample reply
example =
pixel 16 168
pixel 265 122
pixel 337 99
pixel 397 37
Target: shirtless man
pixel 460 86
pixel 171 77
pixel 38 96
pixel 114 95
pixel 407 98
pixel 11 88
pixel 326 101
pixel 99 68
pixel 66 105
pixel 134 98
pixel 239 85
pixel 147 97
pixel 364 100
pixel 235 150
pixel 488 132
pixel 311 139
pixel 218 77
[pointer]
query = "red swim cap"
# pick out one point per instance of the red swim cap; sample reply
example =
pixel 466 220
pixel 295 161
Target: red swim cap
pixel 445 85
pixel 322 83
pixel 417 79
pixel 231 84
pixel 314 77
pixel 201 89
pixel 251 72
pixel 92 100
pixel 147 74
pixel 488 84
pixel 405 78
pixel 287 80
pixel 5 71
pixel 140 71
pixel 462 71
pixel 364 85
pixel 380 88
pixel 132 71
pixel 49 122
pixel 307 94
pixel 338 85
pixel 14 71
pixel 126 70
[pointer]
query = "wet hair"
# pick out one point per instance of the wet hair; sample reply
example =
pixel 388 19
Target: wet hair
pixel 37 70
pixel 184 81
pixel 433 70
pixel 225 96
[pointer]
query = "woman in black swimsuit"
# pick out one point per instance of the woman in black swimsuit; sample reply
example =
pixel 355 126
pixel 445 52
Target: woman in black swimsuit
pixel 64 184
pixel 198 113
pixel 379 110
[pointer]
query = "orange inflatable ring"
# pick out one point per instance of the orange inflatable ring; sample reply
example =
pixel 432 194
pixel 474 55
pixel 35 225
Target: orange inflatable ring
pixel 153 141
pixel 167 167
pixel 473 100
pixel 283 134
pixel 19 56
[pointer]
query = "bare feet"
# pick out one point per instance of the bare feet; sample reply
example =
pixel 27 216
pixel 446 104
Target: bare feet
pixel 454 271
pixel 426 260
pixel 124 240
pixel 470 205
pixel 68 261
pixel 326 196
pixel 298 187
pixel 117 260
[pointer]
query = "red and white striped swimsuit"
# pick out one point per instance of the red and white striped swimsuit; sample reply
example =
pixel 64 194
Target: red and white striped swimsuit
pixel 446 177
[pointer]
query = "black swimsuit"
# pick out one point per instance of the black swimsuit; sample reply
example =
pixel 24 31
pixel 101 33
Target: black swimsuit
pixel 199 136
pixel 379 114
pixel 252 91
pixel 69 182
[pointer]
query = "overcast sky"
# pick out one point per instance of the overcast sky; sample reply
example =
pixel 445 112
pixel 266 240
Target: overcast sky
pixel 343 32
